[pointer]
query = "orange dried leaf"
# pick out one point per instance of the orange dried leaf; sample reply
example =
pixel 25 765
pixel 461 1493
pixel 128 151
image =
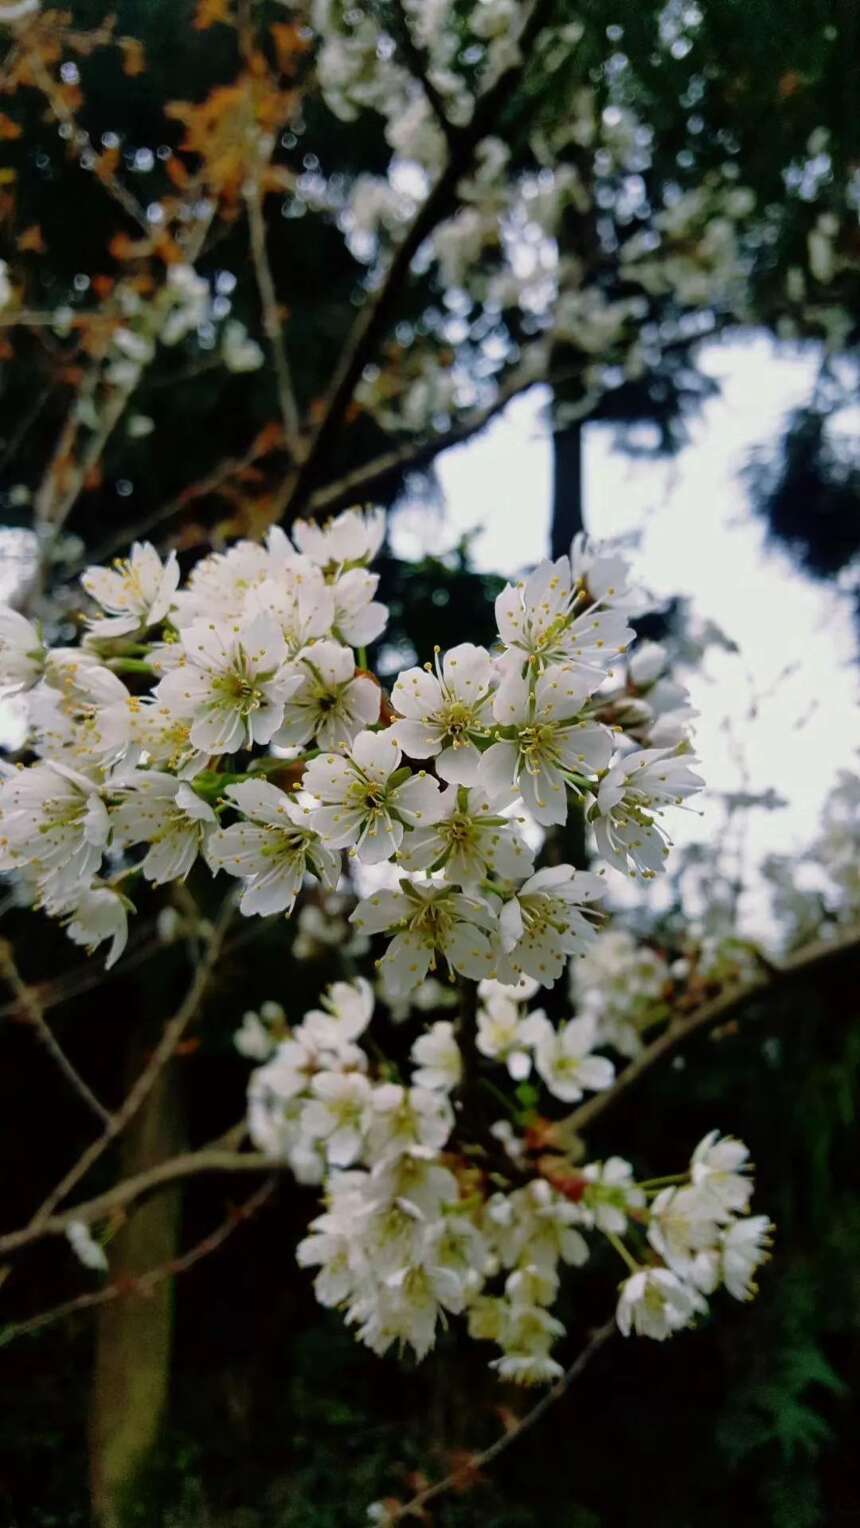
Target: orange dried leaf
pixel 210 12
pixel 8 128
pixel 32 240
pixel 133 56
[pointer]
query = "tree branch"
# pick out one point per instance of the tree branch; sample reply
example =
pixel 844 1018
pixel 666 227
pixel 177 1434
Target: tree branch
pixel 806 961
pixel 189 1164
pixel 418 65
pixel 29 1006
pixel 373 319
pixel 173 1032
pixel 146 1282
pixel 476 1462
pixel 271 320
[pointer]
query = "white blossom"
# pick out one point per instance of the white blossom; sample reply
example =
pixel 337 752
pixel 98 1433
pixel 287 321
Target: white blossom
pixel 164 812
pixel 655 1303
pixel 271 849
pixel 232 685
pixel 743 1248
pixel 564 1059
pixel 430 921
pixel 630 793
pixel 469 839
pixel 85 1247
pixel 22 652
pixel 549 747
pixel 137 591
pixel 719 1167
pixel 367 802
pixel 436 1054
pixel 98 913
pixel 329 701
pixel 545 922
pixel 443 715
pixel 55 824
pixel 346 1012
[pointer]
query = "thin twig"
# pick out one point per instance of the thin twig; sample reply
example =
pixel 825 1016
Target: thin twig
pixel 173 1032
pixel 87 976
pixel 145 1283
pixel 30 1007
pixel 271 318
pixel 727 1005
pixel 189 1164
pixel 79 140
pixel 477 1462
pixel 418 65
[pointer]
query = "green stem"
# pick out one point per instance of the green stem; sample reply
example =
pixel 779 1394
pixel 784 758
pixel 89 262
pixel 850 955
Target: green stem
pixel 650 1184
pixel 130 666
pixel 622 1251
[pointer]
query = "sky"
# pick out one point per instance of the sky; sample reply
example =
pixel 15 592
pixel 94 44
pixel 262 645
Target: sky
pixel 782 713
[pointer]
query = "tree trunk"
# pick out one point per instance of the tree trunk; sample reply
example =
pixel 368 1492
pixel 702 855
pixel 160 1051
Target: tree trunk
pixel 134 1334
pixel 567 503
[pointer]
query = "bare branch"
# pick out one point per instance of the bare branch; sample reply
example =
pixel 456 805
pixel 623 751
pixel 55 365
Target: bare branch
pixel 476 1462
pixel 173 1032
pixel 145 1283
pixel 30 1007
pixel 188 1165
pixel 728 1005
pixel 271 318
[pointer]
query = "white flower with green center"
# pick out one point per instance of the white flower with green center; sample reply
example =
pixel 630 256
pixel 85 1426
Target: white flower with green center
pixel 505 1034
pixel 544 747
pixel 682 1224
pixel 81 710
pixel 218 586
pixel 654 1302
pixel 564 1059
pixel 719 1167
pixel 430 922
pixel 446 714
pixel 233 684
pixel 630 793
pixel 745 1246
pixel 469 839
pixel 338 1115
pixel 271 850
pixel 54 823
pixel 610 1193
pixel 137 591
pixel 331 702
pixel 159 810
pixel 22 652
pixel 546 922
pixel 543 621
pixel 367 800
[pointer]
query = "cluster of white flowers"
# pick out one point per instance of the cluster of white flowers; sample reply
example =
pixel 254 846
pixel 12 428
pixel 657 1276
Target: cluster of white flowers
pixel 166 739
pixel 415 1229
pixel 150 734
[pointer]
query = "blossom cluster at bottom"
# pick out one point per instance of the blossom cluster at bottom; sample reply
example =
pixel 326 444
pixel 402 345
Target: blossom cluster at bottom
pixel 426 1216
